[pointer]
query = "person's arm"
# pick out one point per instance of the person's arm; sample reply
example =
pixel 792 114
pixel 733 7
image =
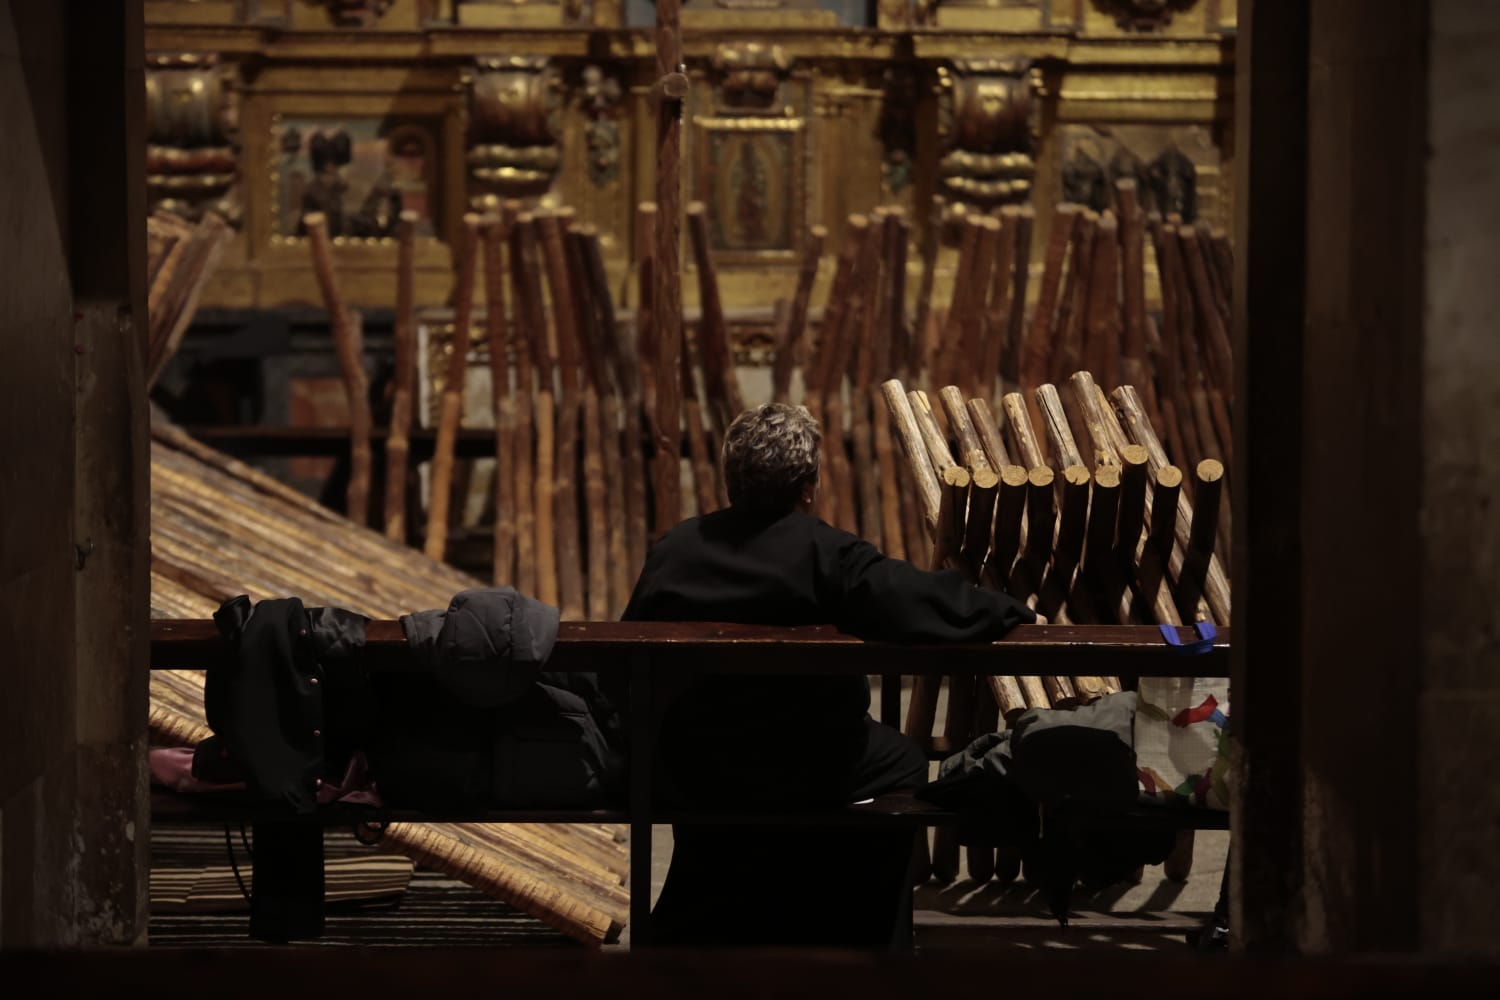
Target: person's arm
pixel 890 599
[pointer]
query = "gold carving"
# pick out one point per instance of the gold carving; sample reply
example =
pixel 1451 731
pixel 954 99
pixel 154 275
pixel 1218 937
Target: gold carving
pixel 192 164
pixel 514 111
pixel 1143 15
pixel 750 76
pixel 987 126
pixel 898 131
pixel 354 13
pixel 601 95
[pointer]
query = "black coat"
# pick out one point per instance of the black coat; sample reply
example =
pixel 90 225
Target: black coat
pixel 759 568
pixel 475 723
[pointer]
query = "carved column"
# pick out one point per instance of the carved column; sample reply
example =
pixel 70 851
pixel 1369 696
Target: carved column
pixel 514 110
pixel 191 161
pixel 986 127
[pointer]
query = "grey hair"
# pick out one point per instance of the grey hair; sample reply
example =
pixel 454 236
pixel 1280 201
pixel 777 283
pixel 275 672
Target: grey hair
pixel 770 454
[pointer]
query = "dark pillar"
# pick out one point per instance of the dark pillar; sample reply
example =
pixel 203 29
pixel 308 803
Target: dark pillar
pixel 73 579
pixel 1459 617
pixel 1270 299
pixel 1328 409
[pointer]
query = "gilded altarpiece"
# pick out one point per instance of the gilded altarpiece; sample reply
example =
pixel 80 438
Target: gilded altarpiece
pixel 449 105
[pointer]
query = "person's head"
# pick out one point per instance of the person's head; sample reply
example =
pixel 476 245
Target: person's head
pixel 771 458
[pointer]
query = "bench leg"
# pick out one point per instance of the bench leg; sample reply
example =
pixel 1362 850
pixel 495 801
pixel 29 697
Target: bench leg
pixel 1179 864
pixel 286 893
pixel 642 763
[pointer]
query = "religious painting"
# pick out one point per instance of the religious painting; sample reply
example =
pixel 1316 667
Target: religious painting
pixel 361 173
pixel 750 178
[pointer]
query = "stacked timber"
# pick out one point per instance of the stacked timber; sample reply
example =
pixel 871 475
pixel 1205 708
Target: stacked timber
pixel 1066 445
pixel 180 258
pixel 595 443
pixel 575 392
pixel 1113 539
pixel 218 529
pixel 1001 334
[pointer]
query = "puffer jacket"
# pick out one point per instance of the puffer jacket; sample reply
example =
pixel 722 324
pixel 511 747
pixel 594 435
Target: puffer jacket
pixel 481 723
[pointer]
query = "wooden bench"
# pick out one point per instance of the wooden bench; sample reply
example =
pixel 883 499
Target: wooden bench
pixel 649 653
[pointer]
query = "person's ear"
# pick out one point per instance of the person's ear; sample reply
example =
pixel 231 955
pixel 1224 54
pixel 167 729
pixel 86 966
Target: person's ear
pixel 809 496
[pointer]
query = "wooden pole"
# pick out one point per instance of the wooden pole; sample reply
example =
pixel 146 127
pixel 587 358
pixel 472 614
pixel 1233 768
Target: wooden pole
pixel 1102 322
pixel 397 446
pixel 1010 504
pixel 453 395
pixel 1028 449
pixel 719 380
pixel 931 240
pixel 1036 353
pixel 1086 395
pixel 666 306
pixel 983 419
pixel 932 434
pixel 1210 320
pixel 999 348
pixel 1202 532
pixel 1071 310
pixel 645 323
pixel 522 482
pixel 873 353
pixel 349 346
pixel 910 434
pixel 1059 434
pixel 1215 584
pixel 570 580
pixel 796 323
pixel 899 336
pixel 545 413
pixel 1041 519
pixel 970 362
pixel 504 566
pixel 947 350
pixel 1020 278
pixel 705 491
pixel 978 528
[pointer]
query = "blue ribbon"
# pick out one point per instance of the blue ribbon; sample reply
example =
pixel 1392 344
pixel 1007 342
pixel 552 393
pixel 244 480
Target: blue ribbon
pixel 1205 641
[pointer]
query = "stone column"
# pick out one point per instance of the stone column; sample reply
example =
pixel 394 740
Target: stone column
pixel 1367 413
pixel 74 585
pixel 1458 621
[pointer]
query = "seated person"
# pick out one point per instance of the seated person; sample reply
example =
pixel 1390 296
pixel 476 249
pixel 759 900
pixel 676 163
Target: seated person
pixel 782 742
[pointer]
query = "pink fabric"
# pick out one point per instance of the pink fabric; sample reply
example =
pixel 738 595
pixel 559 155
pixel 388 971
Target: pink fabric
pixel 172 767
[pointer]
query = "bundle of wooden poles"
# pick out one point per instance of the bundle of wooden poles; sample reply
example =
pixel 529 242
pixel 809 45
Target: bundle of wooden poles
pixel 1075 455
pixel 180 258
pixel 1090 310
pixel 572 396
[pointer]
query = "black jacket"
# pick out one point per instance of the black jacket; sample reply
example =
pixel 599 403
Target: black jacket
pixel 290 702
pixel 475 723
pixel 760 568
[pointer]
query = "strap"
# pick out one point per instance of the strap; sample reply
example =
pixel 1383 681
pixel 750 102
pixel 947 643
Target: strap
pixel 1205 641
